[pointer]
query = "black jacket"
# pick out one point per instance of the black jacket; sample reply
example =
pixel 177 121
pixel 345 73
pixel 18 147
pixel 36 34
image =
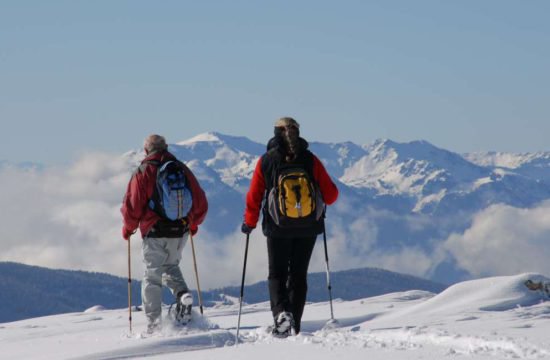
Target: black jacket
pixel 272 161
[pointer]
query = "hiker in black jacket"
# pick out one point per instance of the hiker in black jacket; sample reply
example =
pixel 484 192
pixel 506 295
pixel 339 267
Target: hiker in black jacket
pixel 295 187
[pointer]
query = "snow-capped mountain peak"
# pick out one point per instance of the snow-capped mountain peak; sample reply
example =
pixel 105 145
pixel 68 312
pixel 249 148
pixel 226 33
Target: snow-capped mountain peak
pixel 217 140
pixel 403 178
pixel 418 171
pixel 232 158
pixel 204 137
pixel 507 160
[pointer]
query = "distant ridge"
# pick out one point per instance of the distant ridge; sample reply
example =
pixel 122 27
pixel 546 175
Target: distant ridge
pixel 347 285
pixel 32 291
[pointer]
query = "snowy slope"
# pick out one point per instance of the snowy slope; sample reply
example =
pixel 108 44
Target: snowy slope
pixel 407 168
pixel 506 160
pixel 491 318
pixel 232 157
pixel 534 165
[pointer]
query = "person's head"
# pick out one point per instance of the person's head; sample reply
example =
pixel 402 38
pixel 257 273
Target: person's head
pixel 286 124
pixel 289 130
pixel 154 143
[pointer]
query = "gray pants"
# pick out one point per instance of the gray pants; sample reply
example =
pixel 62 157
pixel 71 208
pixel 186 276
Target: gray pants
pixel 161 257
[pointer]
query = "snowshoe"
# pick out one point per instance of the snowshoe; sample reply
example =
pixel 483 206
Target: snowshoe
pixel 284 322
pixel 152 328
pixel 280 334
pixel 182 313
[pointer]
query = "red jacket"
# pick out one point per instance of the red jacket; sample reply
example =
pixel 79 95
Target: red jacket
pixel 257 188
pixel 135 209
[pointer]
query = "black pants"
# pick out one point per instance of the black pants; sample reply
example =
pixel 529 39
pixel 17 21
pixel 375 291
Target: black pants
pixel 288 264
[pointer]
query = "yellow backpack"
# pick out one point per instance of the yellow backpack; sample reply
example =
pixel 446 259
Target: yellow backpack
pixel 295 200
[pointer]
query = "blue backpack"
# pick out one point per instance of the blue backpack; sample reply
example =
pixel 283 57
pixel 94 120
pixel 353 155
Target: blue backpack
pixel 172 198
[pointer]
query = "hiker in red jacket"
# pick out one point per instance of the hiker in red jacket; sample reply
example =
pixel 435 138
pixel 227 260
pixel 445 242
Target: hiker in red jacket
pixel 292 218
pixel 163 239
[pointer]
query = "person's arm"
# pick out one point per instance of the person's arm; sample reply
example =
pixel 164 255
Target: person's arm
pixel 199 208
pixel 133 205
pixel 327 186
pixel 255 196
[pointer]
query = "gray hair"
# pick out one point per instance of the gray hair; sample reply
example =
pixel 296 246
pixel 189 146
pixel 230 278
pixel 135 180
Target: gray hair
pixel 153 143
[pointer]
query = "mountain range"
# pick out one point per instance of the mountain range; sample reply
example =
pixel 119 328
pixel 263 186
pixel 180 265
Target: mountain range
pixel 401 205
pixel 398 195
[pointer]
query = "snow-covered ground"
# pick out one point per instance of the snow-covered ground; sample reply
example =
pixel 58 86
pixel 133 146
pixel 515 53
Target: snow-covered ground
pixel 491 318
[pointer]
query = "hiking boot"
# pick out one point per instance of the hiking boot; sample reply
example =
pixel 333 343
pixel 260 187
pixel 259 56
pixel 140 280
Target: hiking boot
pixel 284 322
pixel 153 327
pixel 183 308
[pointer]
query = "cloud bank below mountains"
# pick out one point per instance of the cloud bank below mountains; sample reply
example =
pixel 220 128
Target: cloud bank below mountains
pixel 504 240
pixel 69 217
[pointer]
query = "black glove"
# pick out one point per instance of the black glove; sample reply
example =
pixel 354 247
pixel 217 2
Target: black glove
pixel 246 229
pixel 185 222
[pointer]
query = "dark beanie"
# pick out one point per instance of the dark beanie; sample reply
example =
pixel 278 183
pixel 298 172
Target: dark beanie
pixel 284 122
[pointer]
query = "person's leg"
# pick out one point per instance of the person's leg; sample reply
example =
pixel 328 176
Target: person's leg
pixel 302 249
pixel 173 278
pixel 154 256
pixel 278 253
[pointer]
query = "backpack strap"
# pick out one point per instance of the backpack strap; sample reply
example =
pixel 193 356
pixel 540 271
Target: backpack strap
pixel 270 168
pixel 144 164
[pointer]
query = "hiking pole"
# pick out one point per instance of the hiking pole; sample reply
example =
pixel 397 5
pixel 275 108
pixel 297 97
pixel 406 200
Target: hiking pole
pixel 242 289
pixel 129 288
pixel 196 271
pixel 332 321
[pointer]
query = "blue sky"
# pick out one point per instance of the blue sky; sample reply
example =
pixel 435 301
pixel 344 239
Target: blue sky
pixel 465 75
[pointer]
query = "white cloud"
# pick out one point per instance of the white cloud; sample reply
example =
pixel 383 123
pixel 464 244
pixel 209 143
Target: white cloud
pixel 69 218
pixel 357 245
pixel 65 217
pixel 504 240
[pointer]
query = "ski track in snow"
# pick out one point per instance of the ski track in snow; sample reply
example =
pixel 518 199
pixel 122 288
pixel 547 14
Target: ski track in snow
pixel 407 339
pixel 403 339
pixel 179 344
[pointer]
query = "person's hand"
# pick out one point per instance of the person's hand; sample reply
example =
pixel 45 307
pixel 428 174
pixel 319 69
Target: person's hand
pixel 246 229
pixel 185 223
pixel 126 233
